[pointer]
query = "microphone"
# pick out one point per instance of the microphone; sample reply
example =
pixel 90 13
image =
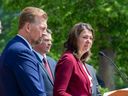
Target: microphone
pixel 121 74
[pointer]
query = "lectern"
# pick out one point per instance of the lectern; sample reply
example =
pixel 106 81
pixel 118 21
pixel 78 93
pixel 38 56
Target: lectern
pixel 120 92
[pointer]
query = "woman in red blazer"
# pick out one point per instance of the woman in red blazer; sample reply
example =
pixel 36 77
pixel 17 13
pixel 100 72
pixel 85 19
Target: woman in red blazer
pixel 71 75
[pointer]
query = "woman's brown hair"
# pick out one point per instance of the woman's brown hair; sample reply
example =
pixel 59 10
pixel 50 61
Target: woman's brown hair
pixel 71 43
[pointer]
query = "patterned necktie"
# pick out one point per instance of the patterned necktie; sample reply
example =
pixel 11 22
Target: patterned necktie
pixel 47 68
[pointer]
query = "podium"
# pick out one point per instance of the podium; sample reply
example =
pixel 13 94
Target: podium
pixel 120 92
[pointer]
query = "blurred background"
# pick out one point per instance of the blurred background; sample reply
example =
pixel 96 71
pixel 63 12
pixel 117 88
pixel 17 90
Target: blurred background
pixel 109 18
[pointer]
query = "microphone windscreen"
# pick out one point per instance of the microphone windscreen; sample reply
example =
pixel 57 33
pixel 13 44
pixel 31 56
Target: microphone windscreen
pixel 101 53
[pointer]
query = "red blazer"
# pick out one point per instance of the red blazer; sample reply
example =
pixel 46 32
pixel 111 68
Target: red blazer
pixel 70 77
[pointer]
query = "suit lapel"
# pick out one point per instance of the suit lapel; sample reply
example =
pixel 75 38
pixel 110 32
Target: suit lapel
pixel 81 68
pixel 84 73
pixel 43 68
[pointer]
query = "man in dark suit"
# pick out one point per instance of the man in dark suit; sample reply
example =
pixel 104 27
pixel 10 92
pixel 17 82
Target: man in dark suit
pixel 20 74
pixel 48 73
pixel 95 86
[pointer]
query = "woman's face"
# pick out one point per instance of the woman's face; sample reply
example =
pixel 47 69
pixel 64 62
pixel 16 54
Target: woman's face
pixel 84 41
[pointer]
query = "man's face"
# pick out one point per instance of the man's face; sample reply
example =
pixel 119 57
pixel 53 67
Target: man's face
pixel 46 43
pixel 37 30
pixel 45 46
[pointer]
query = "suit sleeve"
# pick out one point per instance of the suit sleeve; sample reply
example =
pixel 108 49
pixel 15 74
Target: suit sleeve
pixel 95 82
pixel 26 70
pixel 63 74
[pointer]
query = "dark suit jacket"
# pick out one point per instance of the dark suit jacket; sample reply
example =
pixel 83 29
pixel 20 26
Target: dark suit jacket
pixel 95 89
pixel 20 74
pixel 47 80
pixel 70 77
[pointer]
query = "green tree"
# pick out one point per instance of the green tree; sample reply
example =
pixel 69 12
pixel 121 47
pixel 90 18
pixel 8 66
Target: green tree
pixel 108 18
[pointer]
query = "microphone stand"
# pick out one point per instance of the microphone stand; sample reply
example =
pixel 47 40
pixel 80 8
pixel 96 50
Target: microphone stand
pixel 121 74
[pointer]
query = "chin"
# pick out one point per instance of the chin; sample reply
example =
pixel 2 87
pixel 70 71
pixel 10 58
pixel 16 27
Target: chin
pixel 86 50
pixel 38 42
pixel 47 51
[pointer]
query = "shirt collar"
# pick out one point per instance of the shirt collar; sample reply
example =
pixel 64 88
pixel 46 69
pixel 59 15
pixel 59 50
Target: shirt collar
pixel 39 55
pixel 25 41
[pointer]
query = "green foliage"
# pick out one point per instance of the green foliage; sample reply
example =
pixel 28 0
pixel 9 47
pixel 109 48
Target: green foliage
pixel 103 90
pixel 109 18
